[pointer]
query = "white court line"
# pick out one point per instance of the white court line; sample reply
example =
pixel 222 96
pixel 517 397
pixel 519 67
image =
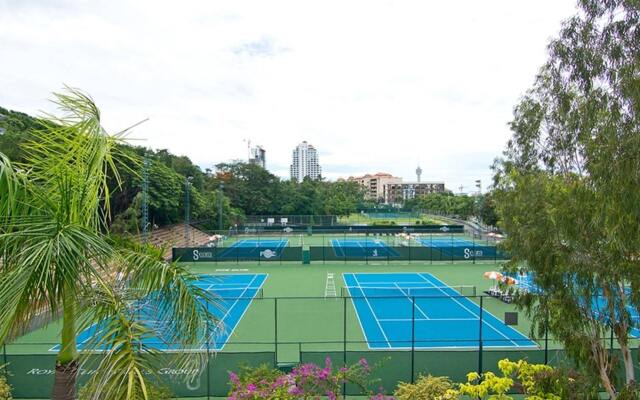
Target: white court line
pixel 266 276
pixel 221 321
pixel 372 313
pixel 426 319
pixel 413 302
pixel 474 314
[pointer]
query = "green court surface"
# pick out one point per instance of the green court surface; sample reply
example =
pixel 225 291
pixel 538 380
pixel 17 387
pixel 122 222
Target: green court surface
pixel 306 320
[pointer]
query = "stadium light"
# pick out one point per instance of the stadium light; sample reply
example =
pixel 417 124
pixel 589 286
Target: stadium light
pixel 187 189
pixel 220 188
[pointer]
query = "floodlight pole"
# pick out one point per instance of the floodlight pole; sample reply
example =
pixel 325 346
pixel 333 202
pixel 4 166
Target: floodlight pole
pixel 145 199
pixel 220 188
pixel 187 212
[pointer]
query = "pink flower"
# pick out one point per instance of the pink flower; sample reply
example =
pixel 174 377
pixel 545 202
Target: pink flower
pixel 364 364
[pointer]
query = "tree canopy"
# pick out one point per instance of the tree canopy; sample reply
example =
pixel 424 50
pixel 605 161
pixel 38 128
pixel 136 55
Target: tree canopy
pixel 568 187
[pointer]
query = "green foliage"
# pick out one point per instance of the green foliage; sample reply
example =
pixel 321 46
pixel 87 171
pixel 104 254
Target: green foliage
pixel 249 189
pixel 426 387
pixel 5 388
pixel 154 392
pixel 57 255
pixel 444 203
pixel 568 188
pixel 534 381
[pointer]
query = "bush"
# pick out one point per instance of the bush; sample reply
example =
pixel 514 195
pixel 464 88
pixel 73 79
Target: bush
pixel 426 387
pixel 5 389
pixel 535 381
pixel 153 393
pixel 303 382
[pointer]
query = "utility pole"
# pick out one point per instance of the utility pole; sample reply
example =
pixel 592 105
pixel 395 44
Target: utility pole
pixel 145 199
pixel 461 188
pixel 187 211
pixel 220 188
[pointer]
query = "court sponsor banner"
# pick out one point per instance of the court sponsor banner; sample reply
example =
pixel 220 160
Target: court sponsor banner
pixel 193 254
pixel 258 252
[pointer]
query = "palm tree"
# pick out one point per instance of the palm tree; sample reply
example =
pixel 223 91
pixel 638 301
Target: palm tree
pixel 56 256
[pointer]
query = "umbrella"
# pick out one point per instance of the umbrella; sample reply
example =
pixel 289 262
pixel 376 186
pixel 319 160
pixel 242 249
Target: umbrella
pixel 492 275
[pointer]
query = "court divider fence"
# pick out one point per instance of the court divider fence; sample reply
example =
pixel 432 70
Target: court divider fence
pixel 437 243
pixel 285 332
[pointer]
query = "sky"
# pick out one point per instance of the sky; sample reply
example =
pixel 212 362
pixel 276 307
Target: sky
pixel 373 85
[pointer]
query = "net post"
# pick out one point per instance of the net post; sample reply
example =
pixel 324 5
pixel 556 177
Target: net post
pixel 480 340
pixel 413 338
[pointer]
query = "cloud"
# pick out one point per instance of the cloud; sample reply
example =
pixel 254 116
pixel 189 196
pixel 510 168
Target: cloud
pixel 264 47
pixel 373 85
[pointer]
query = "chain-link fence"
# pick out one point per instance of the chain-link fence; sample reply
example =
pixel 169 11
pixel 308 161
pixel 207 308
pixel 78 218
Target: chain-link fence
pixel 284 332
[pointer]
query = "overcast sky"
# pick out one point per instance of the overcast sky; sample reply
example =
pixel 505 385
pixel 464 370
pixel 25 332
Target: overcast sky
pixel 374 85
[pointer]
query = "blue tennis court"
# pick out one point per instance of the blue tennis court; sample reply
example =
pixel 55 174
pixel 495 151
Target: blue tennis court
pixel 235 295
pixel 361 248
pixel 526 282
pixel 254 248
pixel 441 317
pixel 448 241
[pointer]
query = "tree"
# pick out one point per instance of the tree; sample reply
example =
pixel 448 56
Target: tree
pixel 568 188
pixel 57 257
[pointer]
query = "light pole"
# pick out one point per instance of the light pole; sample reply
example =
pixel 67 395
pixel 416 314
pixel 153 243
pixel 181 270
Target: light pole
pixel 187 190
pixel 220 188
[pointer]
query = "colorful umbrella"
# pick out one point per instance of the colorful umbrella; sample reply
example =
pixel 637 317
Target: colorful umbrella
pixel 492 275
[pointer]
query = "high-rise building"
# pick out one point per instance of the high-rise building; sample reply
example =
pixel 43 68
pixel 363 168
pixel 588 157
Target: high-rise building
pixel 305 162
pixel 258 156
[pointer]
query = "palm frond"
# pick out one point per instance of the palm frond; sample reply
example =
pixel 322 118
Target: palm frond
pixel 184 307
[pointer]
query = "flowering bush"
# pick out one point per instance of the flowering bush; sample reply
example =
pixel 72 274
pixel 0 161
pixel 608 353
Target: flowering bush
pixel 307 381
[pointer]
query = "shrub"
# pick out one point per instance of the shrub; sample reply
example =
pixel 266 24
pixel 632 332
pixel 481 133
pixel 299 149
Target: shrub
pixel 426 387
pixel 305 381
pixel 153 393
pixel 535 381
pixel 5 389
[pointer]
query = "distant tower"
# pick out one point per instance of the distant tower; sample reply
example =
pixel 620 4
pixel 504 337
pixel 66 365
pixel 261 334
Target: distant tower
pixel 418 173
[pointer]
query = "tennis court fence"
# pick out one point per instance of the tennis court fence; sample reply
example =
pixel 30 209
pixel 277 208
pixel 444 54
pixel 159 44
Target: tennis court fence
pixel 284 332
pixel 383 245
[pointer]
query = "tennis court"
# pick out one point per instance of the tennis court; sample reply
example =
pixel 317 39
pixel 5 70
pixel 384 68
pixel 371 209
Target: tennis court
pixel 254 248
pixel 401 310
pixel 448 241
pixel 527 283
pixel 362 247
pixel 235 295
